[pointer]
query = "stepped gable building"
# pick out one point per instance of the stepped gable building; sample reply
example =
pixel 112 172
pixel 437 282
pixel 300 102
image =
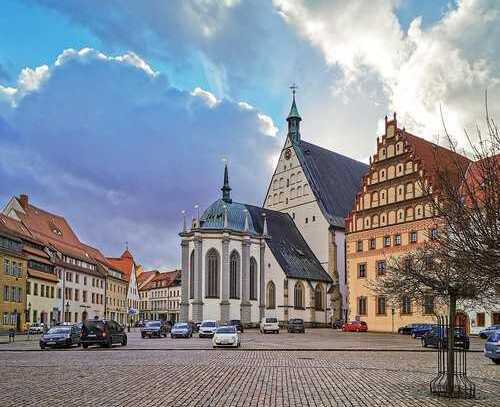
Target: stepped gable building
pixel 245 262
pixel 317 188
pixel 127 266
pixel 391 217
pixel 79 267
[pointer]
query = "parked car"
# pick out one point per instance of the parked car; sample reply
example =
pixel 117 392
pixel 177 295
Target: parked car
pixel 102 332
pixel 269 324
pixel 296 325
pixel 438 336
pixel 237 324
pixel 338 324
pixel 488 331
pixel 355 326
pixel 407 329
pixel 181 330
pixel 63 336
pixel 226 336
pixel 36 329
pixel 492 347
pixel 155 329
pixel 140 324
pixel 420 330
pixel 207 328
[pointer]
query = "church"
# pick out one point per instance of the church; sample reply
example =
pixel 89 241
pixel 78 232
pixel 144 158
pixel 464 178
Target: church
pixel 285 259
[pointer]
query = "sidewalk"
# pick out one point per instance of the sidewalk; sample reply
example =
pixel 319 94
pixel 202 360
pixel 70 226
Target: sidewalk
pixel 4 338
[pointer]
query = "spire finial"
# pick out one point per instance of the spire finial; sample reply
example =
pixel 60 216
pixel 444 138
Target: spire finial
pixel 294 118
pixel 264 227
pixel 247 226
pixel 226 189
pixel 184 226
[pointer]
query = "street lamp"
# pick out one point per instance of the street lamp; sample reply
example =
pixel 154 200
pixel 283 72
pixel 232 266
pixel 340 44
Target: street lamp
pixel 67 312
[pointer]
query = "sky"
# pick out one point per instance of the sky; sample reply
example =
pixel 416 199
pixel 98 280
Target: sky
pixel 118 114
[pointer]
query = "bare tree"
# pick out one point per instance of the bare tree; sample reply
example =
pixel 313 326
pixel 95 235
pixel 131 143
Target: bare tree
pixel 460 261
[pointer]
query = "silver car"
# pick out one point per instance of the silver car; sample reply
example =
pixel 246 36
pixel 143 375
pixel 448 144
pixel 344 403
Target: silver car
pixel 208 328
pixel 492 347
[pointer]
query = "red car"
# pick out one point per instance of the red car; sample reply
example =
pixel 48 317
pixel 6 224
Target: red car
pixel 355 326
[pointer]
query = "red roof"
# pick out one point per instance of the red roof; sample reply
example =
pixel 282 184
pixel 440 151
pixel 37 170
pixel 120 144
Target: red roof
pixel 52 231
pixel 124 263
pixel 163 280
pixel 145 277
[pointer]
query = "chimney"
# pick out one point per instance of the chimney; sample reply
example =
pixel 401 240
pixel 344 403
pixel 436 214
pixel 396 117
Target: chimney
pixel 23 200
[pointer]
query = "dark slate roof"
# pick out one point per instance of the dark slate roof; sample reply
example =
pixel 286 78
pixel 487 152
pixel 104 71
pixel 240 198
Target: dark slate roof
pixel 334 179
pixel 286 243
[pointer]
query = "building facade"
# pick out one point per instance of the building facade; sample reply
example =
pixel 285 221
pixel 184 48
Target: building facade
pixel 391 217
pixel 13 277
pixel 241 262
pixel 160 297
pixel 317 187
pixel 127 266
pixel 116 296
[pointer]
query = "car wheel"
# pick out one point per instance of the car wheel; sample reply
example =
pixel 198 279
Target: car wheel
pixel 85 346
pixel 109 343
pixel 424 344
pixel 124 341
pixel 143 336
pixel 42 346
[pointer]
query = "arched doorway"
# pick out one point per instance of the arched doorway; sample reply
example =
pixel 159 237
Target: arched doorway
pixel 462 321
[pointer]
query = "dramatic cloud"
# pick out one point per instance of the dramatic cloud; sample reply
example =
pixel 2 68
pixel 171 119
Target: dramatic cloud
pixel 110 144
pixel 448 65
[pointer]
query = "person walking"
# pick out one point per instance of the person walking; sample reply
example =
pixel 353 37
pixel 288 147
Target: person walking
pixel 12 335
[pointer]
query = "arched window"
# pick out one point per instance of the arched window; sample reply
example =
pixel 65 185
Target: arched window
pixel 298 295
pixel 212 272
pixel 282 197
pixel 271 295
pixel 282 182
pixel 191 275
pixel 299 191
pixel 234 275
pixel 292 178
pixel 275 184
pixel 253 279
pixel 319 298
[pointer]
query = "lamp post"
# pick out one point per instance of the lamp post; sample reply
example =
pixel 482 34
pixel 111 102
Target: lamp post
pixel 67 316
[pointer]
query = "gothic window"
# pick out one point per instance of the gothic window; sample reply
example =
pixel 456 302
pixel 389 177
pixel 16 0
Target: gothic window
pixel 234 275
pixel 213 275
pixel 306 189
pixel 299 191
pixel 282 197
pixel 292 193
pixel 318 298
pixel 292 178
pixel 298 295
pixel 275 184
pixel 282 182
pixel 191 275
pixel 253 279
pixel 271 295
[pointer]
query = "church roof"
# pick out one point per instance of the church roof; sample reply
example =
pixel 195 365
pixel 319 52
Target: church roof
pixel 334 179
pixel 286 243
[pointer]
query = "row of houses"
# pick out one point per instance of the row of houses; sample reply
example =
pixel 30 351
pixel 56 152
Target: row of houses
pixel 49 276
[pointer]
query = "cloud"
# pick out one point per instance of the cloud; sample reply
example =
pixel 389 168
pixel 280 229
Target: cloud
pixel 109 143
pixel 447 65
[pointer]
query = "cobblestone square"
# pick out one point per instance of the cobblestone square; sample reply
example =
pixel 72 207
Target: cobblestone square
pixel 269 370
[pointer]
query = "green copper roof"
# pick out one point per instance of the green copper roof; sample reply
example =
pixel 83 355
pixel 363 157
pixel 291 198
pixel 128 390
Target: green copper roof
pixel 294 113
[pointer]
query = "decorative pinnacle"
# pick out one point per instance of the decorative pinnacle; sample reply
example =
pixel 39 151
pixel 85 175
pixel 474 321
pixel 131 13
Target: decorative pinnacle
pixel 184 228
pixel 225 217
pixel 294 112
pixel 247 227
pixel 264 228
pixel 226 189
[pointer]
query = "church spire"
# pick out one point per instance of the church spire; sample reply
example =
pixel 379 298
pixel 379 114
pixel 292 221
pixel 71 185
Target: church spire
pixel 226 189
pixel 294 119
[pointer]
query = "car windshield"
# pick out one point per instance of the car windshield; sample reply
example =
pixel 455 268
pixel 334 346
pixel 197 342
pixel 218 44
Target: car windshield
pixel 494 337
pixel 153 324
pixel 180 326
pixel 296 321
pixel 235 322
pixel 208 324
pixel 59 330
pixel 226 330
pixel 271 320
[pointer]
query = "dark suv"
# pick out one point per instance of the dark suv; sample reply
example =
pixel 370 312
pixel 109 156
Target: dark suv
pixel 236 323
pixel 296 325
pixel 155 329
pixel 102 332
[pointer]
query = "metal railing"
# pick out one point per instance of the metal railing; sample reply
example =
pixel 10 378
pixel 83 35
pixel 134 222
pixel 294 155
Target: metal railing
pixel 454 384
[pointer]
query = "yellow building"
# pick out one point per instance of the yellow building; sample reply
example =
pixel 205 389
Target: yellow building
pixel 391 216
pixel 116 296
pixel 12 282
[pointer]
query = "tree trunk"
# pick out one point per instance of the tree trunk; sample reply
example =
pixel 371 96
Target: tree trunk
pixel 451 345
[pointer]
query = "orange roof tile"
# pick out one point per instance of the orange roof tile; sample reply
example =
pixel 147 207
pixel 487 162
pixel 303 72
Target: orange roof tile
pixel 124 263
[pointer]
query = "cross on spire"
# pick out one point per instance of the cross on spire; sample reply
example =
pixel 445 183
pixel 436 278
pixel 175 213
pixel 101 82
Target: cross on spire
pixel 293 87
pixel 294 118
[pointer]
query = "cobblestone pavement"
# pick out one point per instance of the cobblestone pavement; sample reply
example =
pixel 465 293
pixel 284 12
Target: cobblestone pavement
pixel 135 376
